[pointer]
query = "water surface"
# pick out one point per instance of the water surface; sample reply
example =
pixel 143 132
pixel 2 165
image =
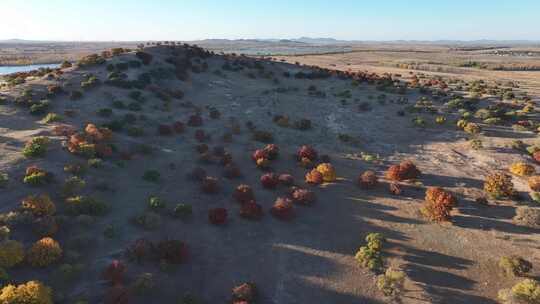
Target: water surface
pixel 9 69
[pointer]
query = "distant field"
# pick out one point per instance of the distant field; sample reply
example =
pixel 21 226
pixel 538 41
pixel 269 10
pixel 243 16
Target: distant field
pixel 508 64
pixel 25 53
pixel 520 63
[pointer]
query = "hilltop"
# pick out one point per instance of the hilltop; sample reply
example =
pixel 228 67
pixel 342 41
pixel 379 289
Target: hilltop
pixel 139 157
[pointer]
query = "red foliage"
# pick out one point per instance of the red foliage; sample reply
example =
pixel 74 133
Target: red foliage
pixel 314 177
pixel 114 273
pixel 246 292
pixel 251 210
pixel 217 216
pixel 258 154
pixel 269 180
pixel 404 171
pixel 302 196
pixel 307 152
pixel 210 185
pixel 272 151
pixel 63 130
pixel 117 294
pixel 367 180
pixel 243 194
pixel 282 209
pixel 438 204
pixel 172 251
pixel 536 156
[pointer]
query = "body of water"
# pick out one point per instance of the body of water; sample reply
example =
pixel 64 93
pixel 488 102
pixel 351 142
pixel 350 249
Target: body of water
pixel 9 69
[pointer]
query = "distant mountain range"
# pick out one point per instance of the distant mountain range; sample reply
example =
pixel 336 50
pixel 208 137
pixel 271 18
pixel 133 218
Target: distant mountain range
pixel 308 40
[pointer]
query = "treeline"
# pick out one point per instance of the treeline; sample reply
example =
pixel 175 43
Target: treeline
pixel 499 66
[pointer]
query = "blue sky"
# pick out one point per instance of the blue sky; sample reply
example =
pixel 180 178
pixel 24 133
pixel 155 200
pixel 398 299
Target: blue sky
pixel 199 19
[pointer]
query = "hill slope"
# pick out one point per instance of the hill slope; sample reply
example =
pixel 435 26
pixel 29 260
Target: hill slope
pixel 180 114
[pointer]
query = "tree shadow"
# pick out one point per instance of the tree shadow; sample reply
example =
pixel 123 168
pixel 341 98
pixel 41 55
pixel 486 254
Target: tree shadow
pixel 486 224
pixel 444 296
pixel 432 258
pixel 450 181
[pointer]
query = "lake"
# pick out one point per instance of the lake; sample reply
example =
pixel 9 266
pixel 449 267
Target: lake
pixel 9 69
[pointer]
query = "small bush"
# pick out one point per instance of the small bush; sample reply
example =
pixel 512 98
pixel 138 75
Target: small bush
pixel 36 147
pixel 52 117
pixel 40 107
pixel 404 171
pixel 4 179
pixel 41 205
pixel 44 252
pixel 522 169
pixel 156 203
pixel 36 177
pixel 438 204
pixel 391 283
pixel 78 205
pixel 524 292
pixel 499 185
pixel 245 293
pixel 369 256
pixel 328 172
pixel 472 128
pixel 32 292
pixel 11 253
pixel 144 283
pixel 515 266
pixel 527 216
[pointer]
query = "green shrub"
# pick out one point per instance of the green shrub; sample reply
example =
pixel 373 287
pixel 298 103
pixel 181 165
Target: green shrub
pixel 4 179
pixel 40 107
pixel 515 266
pixel 36 147
pixel 32 292
pixel 524 292
pixel 156 203
pixel 369 256
pixel 78 205
pixel 52 117
pixel 37 178
pixel 95 163
pixel 391 283
pixel 11 253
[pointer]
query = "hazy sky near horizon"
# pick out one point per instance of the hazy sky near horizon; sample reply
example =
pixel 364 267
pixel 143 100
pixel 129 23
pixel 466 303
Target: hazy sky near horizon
pixel 200 19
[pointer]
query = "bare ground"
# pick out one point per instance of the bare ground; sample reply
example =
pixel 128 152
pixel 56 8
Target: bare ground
pixel 307 260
